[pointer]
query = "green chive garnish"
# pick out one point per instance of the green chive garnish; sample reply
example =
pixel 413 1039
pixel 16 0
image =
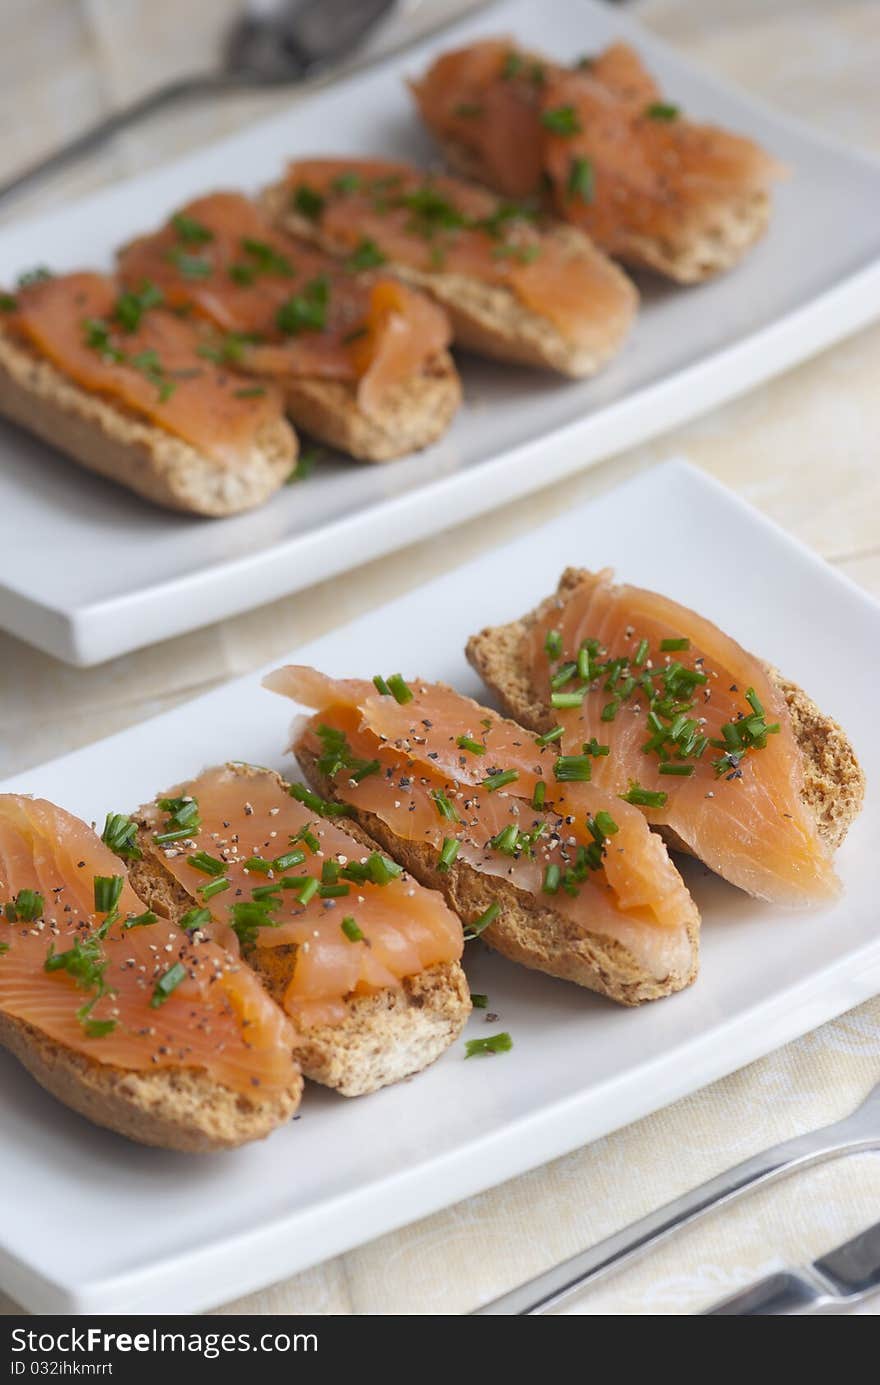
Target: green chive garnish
pixel 444 807
pixel 25 907
pixel 667 646
pixel 550 736
pixel 659 110
pixel 500 779
pixel 606 824
pixel 479 1001
pixel 208 865
pixel 551 879
pixel 641 653
pixel 467 743
pixel 448 853
pixel 399 690
pixel 194 918
pixel 120 834
pixel 553 643
pixel 108 888
pixel 381 686
pixel 257 865
pixel 167 983
pixel 317 804
pixel 351 930
pixel 592 747
pixel 683 771
pixel 141 920
pixel 581 179
pixel 310 888
pixel 215 887
pixel 334 891
pixel 482 923
pixel 308 201
pixel 496 1043
pixel 507 840
pixel 573 768
pixel 539 795
pixel 568 699
pixel 643 798
pixel 562 120
pixel 289 860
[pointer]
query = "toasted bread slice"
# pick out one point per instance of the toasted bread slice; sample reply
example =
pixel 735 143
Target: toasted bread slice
pixel 527 930
pixel 384 1037
pixel 171 1108
pixel 413 413
pixel 833 783
pixel 103 436
pixel 488 318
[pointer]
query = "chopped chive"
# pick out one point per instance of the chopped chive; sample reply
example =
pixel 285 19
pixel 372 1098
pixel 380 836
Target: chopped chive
pixel 214 887
pixel 310 888
pixel 141 920
pixel 366 255
pixel 562 120
pixel 754 702
pixel 306 835
pixel 308 201
pixel 351 930
pixel 381 686
pixel 317 804
pixel 208 865
pixel 550 736
pixel 539 795
pixel 120 834
pixel 573 768
pixel 641 653
pixel 496 1043
pixel 166 984
pixel 25 907
pixel 482 923
pixel 552 877
pixel 507 840
pixel 553 643
pixel 467 743
pixel 479 1001
pixel 592 747
pixel 610 710
pixel 194 918
pixel 334 891
pixel 107 889
pixel 399 690
pixel 581 180
pixel 643 798
pixel 382 871
pixel 288 860
pixel 190 231
pixel 305 465
pixel 660 110
pixel 667 646
pixel 568 699
pixel 500 779
pixel 606 824
pixel 563 675
pixel 349 181
pixel 443 805
pixel 448 853
pixel 264 894
pixel 258 865
pixel 683 771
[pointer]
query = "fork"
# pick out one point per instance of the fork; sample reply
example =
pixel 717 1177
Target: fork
pixel 858 1131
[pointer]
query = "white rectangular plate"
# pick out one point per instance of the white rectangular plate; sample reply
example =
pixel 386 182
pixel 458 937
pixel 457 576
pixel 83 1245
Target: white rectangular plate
pixel 96 1224
pixel 88 571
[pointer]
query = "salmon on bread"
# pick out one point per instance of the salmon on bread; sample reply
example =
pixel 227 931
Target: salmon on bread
pixel 554 873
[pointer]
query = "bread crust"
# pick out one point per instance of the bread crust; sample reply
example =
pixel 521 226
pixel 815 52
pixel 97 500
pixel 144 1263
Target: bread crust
pixel 171 1108
pixel 384 1036
pixel 526 931
pixel 414 412
pixel 834 782
pixel 489 319
pixel 119 445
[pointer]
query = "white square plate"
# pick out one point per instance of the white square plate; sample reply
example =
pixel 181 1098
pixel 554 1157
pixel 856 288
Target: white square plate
pixel 96 1224
pixel 88 571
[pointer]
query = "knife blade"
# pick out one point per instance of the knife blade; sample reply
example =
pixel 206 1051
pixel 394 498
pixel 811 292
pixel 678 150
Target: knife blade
pixel 846 1275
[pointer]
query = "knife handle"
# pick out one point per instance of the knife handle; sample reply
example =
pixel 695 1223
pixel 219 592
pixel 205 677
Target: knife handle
pixel 779 1295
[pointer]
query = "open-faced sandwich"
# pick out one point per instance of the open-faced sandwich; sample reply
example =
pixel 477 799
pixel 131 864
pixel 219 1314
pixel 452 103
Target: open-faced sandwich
pixel 117 381
pixel 600 146
pixel 731 761
pixel 549 869
pixel 132 1020
pixel 361 357
pixel 543 296
pixel 363 959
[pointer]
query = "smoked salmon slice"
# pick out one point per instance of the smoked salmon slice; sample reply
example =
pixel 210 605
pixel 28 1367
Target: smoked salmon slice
pixel 433 225
pixel 478 789
pixel 282 308
pixel 126 346
pixel 84 963
pixel 599 145
pixel 268 867
pixel 697 732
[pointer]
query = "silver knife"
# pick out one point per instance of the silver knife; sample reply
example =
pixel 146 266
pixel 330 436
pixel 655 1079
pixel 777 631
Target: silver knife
pixel 842 1277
